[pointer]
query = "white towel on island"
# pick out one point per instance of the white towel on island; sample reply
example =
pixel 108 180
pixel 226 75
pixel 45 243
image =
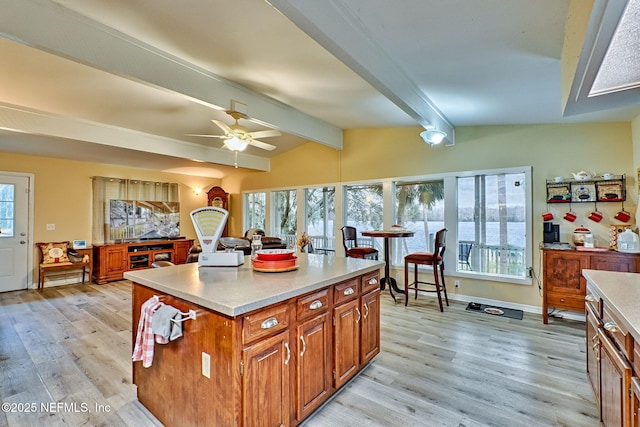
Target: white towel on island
pixel 163 325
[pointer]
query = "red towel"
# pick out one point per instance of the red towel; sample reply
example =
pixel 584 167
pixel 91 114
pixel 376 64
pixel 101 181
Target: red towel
pixel 143 350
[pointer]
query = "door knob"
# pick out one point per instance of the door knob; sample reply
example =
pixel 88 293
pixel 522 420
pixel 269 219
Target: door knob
pixel 22 242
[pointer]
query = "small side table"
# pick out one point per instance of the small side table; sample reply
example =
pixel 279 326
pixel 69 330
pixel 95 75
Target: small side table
pixel 387 279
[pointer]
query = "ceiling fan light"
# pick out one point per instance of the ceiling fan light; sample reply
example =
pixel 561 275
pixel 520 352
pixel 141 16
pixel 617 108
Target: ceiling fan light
pixel 236 144
pixel 433 137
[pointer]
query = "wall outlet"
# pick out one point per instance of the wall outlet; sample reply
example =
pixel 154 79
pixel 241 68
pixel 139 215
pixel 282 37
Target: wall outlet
pixel 51 227
pixel 456 283
pixel 206 365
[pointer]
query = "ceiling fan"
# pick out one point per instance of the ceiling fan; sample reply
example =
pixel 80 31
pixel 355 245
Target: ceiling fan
pixel 237 138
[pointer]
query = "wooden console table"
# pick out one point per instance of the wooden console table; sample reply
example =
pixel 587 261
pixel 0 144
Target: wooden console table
pixel 112 260
pixel 563 285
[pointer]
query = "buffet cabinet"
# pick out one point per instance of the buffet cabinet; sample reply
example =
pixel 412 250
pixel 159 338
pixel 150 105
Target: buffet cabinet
pixel 110 261
pixel 564 287
pixel 270 367
pixel 613 364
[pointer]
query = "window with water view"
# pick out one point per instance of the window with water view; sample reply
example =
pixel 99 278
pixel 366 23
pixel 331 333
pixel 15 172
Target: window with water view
pixel 491 224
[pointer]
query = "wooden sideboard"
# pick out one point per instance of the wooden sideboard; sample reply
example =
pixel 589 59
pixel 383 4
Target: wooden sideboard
pixel 564 287
pixel 110 261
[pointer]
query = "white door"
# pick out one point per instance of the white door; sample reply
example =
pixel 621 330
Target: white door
pixel 14 230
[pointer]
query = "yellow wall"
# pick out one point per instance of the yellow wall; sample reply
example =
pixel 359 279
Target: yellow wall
pixel 63 194
pixel 551 150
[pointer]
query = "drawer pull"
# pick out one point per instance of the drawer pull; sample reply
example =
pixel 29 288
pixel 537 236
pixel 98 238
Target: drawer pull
pixel 590 298
pixel 315 305
pixel 269 323
pixel 373 281
pixel 304 346
pixel 286 345
pixel 611 327
pixel 349 291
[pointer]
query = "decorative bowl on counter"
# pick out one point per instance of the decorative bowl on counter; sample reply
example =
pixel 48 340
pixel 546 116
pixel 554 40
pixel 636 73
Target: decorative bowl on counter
pixel 274 266
pixel 275 254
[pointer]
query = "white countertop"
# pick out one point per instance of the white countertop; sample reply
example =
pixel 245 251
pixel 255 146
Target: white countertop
pixel 621 292
pixel 236 290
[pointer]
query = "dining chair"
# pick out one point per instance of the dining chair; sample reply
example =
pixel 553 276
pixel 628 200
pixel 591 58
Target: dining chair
pixel 436 260
pixel 464 251
pixel 350 243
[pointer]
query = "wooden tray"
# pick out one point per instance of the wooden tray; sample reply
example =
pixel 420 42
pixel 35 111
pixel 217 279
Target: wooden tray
pixel 275 270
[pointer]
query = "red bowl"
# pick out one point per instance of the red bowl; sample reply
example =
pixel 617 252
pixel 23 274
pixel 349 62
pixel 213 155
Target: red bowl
pixel 274 265
pixel 275 254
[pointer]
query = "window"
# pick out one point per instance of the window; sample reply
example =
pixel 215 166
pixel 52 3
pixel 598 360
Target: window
pixel 492 224
pixel 419 207
pixel 320 216
pixel 363 210
pixel 285 206
pixel 255 210
pixel 7 210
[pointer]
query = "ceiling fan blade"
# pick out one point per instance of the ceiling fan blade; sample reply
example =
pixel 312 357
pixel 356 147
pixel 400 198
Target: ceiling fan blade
pixel 262 145
pixel 223 126
pixel 206 136
pixel 264 133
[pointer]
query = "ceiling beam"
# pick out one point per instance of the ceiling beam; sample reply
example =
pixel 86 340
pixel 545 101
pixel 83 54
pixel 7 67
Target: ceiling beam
pixel 337 28
pixel 45 25
pixel 23 120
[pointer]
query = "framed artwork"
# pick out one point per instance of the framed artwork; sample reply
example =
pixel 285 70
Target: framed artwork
pixel 610 192
pixel 79 244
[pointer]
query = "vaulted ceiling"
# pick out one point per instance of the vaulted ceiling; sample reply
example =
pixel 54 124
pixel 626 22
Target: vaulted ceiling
pixel 125 81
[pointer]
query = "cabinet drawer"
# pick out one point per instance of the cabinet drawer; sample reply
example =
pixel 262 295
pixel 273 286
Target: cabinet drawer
pixel 345 291
pixel 593 300
pixel 313 304
pixel 370 281
pixel 618 333
pixel 567 302
pixel 264 323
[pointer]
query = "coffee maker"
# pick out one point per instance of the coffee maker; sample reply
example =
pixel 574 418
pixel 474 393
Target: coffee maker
pixel 551 232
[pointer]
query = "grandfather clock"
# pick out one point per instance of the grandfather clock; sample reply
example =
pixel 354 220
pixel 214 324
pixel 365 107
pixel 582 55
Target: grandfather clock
pixel 219 198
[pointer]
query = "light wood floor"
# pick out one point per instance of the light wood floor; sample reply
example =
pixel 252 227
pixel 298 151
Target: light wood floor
pixel 72 345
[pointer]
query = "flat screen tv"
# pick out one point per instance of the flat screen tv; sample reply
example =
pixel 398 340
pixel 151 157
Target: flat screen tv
pixel 143 220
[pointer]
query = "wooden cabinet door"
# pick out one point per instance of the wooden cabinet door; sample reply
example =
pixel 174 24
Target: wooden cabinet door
pixel 313 376
pixel 346 341
pixel 563 272
pixel 593 323
pixel 635 402
pixel 116 259
pixel 266 392
pixel 370 326
pixel 617 262
pixel 615 384
pixel 181 251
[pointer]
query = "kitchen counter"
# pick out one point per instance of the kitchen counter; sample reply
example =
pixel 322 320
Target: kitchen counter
pixel 237 290
pixel 621 292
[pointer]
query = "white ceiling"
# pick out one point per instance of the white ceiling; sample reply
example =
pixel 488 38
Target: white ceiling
pixel 123 81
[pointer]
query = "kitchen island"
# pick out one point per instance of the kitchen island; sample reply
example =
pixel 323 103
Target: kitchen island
pixel 612 308
pixel 264 348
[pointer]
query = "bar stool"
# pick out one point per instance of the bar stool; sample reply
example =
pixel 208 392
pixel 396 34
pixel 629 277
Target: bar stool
pixel 436 260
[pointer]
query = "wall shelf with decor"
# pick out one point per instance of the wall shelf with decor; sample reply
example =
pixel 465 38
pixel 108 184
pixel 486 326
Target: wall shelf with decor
pixel 563 190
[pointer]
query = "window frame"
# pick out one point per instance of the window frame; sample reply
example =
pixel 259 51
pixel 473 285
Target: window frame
pixel 450 214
